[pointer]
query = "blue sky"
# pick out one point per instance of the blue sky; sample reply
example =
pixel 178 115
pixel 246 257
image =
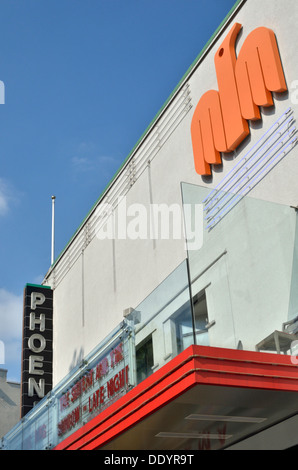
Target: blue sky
pixel 83 80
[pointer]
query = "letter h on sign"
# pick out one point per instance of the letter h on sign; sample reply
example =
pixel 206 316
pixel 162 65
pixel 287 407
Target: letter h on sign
pixel 219 122
pixel 37 345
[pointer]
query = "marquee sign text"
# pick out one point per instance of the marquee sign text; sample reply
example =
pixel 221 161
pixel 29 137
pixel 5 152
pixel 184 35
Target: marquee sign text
pixel 94 390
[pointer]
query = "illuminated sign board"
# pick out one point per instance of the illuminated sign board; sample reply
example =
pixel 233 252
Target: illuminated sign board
pixel 94 390
pixel 37 345
pixel 220 120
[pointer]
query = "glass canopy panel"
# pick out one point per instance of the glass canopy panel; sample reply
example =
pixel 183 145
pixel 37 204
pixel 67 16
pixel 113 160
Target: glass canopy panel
pixel 163 322
pixel 243 256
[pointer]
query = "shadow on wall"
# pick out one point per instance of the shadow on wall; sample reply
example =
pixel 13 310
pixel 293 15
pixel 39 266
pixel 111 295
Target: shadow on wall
pixel 256 125
pixel 77 359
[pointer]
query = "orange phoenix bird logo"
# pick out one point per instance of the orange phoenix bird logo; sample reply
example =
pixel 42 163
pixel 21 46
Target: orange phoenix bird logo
pixel 219 122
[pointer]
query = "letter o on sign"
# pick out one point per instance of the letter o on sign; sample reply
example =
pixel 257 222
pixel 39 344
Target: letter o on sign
pixel 32 345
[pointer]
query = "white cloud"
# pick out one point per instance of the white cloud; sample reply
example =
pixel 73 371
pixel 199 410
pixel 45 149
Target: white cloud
pixel 88 158
pixel 8 195
pixel 11 323
pixel 4 197
pixel 11 315
pixel 82 164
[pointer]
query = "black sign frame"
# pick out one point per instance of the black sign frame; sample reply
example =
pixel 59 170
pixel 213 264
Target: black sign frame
pixel 37 351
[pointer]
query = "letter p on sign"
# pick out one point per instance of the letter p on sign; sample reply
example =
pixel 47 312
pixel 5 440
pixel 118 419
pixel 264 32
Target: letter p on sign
pixel 37 299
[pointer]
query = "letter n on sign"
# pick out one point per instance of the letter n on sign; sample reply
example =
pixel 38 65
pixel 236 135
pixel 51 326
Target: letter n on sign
pixel 37 350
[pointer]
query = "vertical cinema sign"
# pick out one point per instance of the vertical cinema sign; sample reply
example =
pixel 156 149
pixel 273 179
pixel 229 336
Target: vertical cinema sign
pixel 37 345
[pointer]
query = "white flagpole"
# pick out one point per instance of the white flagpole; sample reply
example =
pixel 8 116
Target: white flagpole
pixel 53 230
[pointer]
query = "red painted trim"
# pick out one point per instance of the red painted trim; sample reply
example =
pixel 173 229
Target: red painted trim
pixel 195 365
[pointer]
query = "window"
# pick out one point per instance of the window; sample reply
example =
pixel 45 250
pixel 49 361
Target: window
pixel 184 323
pixel 144 359
pixel 184 328
pixel 201 319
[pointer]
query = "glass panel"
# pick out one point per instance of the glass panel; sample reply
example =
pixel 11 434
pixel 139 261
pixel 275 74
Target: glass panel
pixel 165 316
pixel 243 254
